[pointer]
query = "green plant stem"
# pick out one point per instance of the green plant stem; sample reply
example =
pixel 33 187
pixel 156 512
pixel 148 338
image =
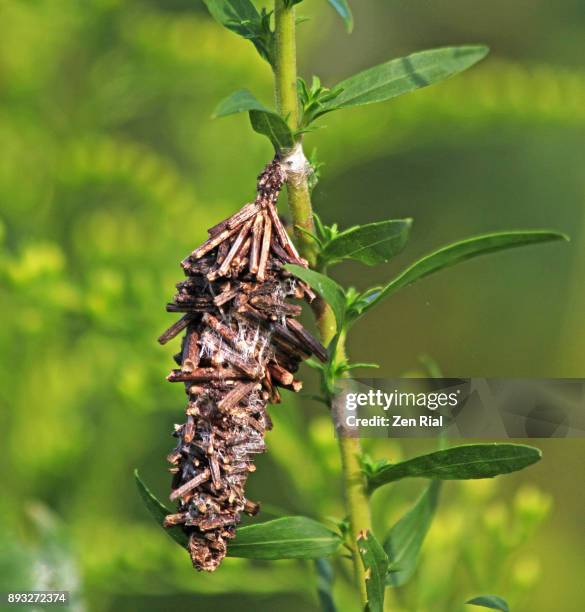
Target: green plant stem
pixel 357 502
pixel 286 63
pixel 354 482
pixel 299 200
pixel 285 80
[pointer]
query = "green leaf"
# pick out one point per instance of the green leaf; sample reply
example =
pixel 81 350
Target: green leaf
pixel 465 462
pixel 235 15
pixel 313 363
pixel 456 253
pixel 275 127
pixel 490 601
pixel 158 511
pixel 319 227
pixel 403 75
pixel 370 244
pixel 404 541
pixel 242 18
pixel 325 578
pixel 361 364
pixel 312 101
pixel 263 120
pixel 370 466
pixel 290 537
pixel 240 101
pixel 342 8
pixel 376 563
pixel 327 288
pixel 309 235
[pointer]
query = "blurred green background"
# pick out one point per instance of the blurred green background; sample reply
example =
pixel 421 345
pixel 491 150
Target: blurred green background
pixel 111 172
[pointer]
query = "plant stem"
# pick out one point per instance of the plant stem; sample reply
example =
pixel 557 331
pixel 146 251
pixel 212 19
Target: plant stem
pixel 285 80
pixel 299 201
pixel 286 63
pixel 354 482
pixel 358 505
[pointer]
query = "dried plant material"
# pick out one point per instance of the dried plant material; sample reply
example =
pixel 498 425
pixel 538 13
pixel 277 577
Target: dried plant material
pixel 241 342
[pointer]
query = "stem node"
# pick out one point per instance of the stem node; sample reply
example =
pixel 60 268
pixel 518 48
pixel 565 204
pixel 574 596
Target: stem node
pixel 296 165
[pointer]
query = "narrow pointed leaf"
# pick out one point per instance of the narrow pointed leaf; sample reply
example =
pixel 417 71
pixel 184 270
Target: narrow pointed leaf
pixel 240 101
pixel 290 537
pixel 236 15
pixel 375 562
pixel 459 252
pixel 158 511
pixel 493 602
pixel 274 126
pixel 370 244
pixel 308 234
pixel 325 578
pixel 403 75
pixel 404 541
pixel 263 120
pixel 466 462
pixel 242 18
pixel 326 287
pixel 353 366
pixel 342 8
